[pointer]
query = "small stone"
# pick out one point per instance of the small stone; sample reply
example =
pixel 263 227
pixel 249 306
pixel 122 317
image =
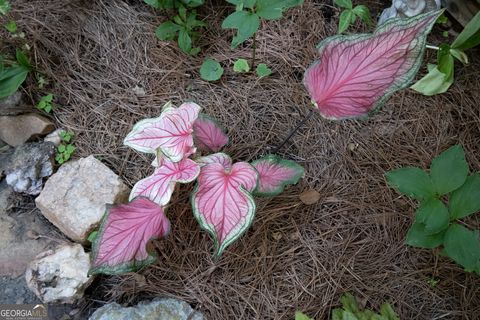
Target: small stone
pixel 157 309
pixel 139 91
pixel 26 167
pixel 16 130
pixel 54 137
pixel 74 198
pixel 59 275
pixel 309 197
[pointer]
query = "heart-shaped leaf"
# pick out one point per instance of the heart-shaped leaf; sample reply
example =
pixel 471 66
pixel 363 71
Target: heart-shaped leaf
pixel 121 243
pixel 463 246
pixel 434 215
pixel 412 181
pixel 466 200
pixel 208 134
pixel 356 74
pixel 171 133
pixel 219 157
pixel 274 173
pixel 418 237
pixel 222 202
pixel 449 170
pixel 160 185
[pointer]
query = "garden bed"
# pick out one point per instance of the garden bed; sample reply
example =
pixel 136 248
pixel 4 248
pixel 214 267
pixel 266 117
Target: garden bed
pixel 101 54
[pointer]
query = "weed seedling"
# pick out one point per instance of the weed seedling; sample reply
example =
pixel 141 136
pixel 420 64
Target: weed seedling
pixel 45 103
pixel 66 148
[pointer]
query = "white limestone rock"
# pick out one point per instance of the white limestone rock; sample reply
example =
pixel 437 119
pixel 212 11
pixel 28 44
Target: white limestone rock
pixel 59 275
pixel 74 198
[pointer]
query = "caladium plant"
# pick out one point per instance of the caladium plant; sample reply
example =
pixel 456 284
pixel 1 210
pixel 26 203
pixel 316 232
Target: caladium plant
pixel 356 74
pixel 222 201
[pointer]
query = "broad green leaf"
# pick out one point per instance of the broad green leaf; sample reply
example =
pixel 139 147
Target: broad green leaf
pixel 11 26
pixel 434 82
pixel 459 55
pixel 273 9
pixel 411 181
pixel 263 70
pixel 463 246
pixel 185 41
pixel 243 3
pixel 241 66
pixel 167 30
pixel 11 79
pixel 433 214
pixel 246 23
pixel 182 12
pixel 449 170
pixel 388 313
pixel 363 13
pixel 153 3
pixel 192 21
pixel 344 3
pixel 470 36
pixel 22 60
pixel 211 70
pixel 418 237
pixel 445 60
pixel 345 19
pixel 466 199
pixel 4 7
pixel 300 316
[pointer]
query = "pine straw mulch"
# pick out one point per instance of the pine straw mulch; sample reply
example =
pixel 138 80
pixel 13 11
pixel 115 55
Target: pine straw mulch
pixel 294 256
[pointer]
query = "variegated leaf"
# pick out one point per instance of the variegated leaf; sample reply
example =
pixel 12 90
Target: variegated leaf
pixel 208 134
pixel 356 74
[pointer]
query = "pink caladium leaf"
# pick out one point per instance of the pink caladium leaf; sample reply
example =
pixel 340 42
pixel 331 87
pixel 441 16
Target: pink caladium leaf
pixel 121 243
pixel 171 133
pixel 208 134
pixel 218 157
pixel 356 74
pixel 274 173
pixel 160 185
pixel 222 201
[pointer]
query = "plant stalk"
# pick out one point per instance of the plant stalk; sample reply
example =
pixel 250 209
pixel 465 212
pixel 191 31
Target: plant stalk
pixel 294 130
pixel 429 46
pixel 254 46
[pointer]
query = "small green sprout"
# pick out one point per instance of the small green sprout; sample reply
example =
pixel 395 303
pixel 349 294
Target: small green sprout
pixel 66 148
pixel 11 26
pixel 211 70
pixel 349 14
pixel 45 103
pixel 263 70
pixel 241 66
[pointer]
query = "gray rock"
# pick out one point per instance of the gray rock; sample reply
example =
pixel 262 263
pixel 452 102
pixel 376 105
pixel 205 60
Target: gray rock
pixel 157 309
pixel 26 167
pixel 74 198
pixel 60 275
pixel 16 130
pixel 10 102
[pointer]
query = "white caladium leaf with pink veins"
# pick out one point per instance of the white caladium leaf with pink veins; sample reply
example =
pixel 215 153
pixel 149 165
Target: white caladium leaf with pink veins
pixel 171 133
pixel 218 157
pixel 121 243
pixel 274 173
pixel 208 134
pixel 222 201
pixel 160 185
pixel 356 74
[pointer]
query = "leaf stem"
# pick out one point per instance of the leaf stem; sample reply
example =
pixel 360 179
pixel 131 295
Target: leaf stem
pixel 254 49
pixel 294 130
pixel 429 46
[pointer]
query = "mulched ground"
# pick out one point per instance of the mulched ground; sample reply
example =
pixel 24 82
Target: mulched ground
pixel 294 256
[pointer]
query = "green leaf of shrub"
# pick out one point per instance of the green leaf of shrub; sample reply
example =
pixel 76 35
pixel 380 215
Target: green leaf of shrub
pixel 466 199
pixel 300 316
pixel 344 3
pixel 470 36
pixel 463 246
pixel 434 82
pixel 363 12
pixel 411 181
pixel 418 237
pixel 246 23
pixel 449 170
pixel 345 19
pixel 241 66
pixel 433 214
pixel 11 79
pixel 184 41
pixel 211 70
pixel 263 70
pixel 167 31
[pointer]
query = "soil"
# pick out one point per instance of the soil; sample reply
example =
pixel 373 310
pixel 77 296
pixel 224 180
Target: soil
pixel 295 256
